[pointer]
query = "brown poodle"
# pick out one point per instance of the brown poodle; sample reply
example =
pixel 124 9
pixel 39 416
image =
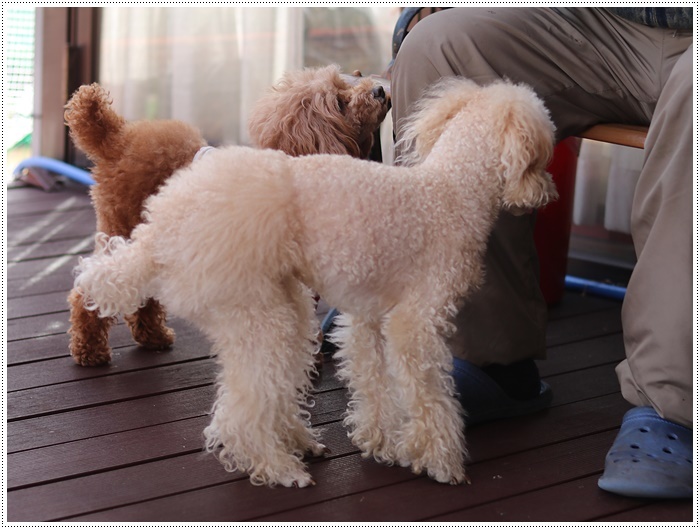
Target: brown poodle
pixel 319 111
pixel 309 111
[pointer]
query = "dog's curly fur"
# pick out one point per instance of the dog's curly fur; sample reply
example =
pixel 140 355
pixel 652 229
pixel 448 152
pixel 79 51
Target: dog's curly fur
pixel 394 248
pixel 131 161
pixel 319 111
pixel 308 111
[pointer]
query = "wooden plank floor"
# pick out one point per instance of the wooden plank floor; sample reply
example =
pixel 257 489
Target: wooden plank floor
pixel 123 442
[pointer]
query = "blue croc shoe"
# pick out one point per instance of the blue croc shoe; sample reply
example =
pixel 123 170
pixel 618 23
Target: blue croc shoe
pixel 484 400
pixel 650 458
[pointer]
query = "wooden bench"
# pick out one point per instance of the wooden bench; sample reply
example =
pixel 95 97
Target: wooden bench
pixel 617 133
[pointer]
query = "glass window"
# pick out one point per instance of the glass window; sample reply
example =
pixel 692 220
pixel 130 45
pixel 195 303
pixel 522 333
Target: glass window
pixel 18 90
pixel 208 65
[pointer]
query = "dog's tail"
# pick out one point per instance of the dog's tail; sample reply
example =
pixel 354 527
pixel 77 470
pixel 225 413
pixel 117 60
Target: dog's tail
pixel 117 277
pixel 95 127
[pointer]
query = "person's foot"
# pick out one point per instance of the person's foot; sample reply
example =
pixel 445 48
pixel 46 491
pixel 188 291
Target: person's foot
pixel 521 380
pixel 650 458
pixel 498 392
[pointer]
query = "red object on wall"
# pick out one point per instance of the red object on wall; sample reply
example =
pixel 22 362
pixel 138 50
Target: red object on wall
pixel 553 224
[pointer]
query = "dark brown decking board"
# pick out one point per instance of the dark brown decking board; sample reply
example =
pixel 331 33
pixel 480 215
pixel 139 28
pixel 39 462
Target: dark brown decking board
pixel 665 512
pixel 76 224
pixel 419 499
pixel 58 268
pixel 39 348
pixel 37 208
pixel 34 402
pixel 38 305
pixel 108 419
pixel 47 279
pixel 126 357
pixel 44 250
pixel 58 461
pixel 575 501
pixel 123 442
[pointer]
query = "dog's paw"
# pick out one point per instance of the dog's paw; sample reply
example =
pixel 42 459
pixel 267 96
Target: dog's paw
pixel 318 450
pixel 370 441
pixel 442 473
pixel 92 358
pixel 147 326
pixel 87 356
pixel 297 480
pixel 451 478
pixel 156 341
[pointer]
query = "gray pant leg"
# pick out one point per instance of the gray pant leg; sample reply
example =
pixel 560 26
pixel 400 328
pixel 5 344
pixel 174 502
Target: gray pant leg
pixel 657 312
pixel 582 82
pixel 587 65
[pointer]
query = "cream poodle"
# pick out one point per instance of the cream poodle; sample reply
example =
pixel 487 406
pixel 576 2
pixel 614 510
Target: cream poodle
pixel 308 111
pixel 235 242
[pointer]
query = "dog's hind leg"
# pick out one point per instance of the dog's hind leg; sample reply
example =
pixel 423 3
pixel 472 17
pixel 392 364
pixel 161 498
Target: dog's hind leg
pixel 148 327
pixel 432 437
pixel 258 425
pixel 372 418
pixel 303 365
pixel 89 334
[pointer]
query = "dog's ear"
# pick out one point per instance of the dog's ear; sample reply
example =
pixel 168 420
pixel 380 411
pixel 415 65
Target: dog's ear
pixel 324 126
pixel 300 120
pixel 528 141
pixel 429 117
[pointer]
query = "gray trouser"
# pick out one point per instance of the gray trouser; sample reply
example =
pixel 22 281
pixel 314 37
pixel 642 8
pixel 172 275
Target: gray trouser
pixel 589 67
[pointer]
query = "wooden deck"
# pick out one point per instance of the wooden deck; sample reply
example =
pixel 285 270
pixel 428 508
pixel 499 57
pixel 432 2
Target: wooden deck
pixel 123 442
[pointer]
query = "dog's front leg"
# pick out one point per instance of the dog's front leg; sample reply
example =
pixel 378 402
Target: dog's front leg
pixel 372 419
pixel 432 437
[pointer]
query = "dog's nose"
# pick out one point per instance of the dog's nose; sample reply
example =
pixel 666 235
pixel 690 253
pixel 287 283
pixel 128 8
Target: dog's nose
pixel 378 92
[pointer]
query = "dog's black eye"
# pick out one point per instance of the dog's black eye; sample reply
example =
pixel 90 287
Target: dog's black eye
pixel 341 104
